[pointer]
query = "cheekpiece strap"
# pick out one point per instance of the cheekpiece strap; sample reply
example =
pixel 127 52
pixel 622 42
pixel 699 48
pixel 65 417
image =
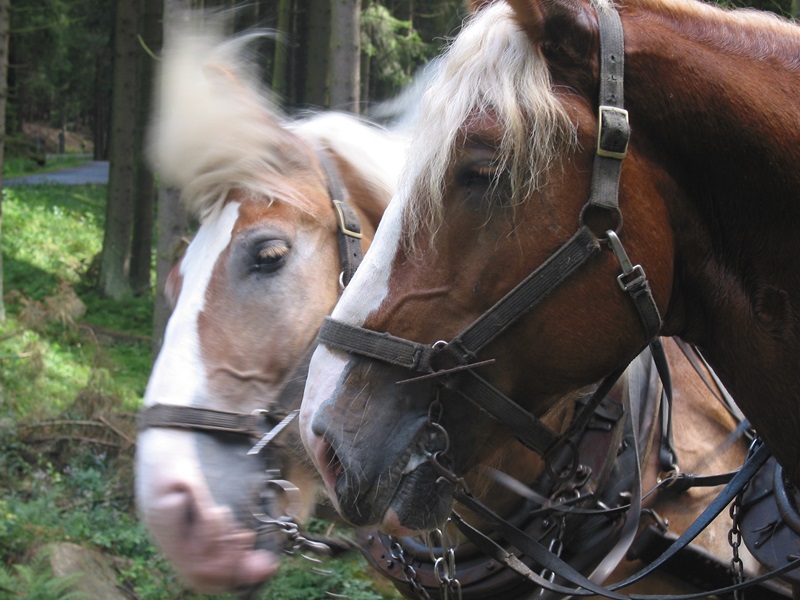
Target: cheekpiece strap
pixel 348 225
pixel 613 128
pixel 203 419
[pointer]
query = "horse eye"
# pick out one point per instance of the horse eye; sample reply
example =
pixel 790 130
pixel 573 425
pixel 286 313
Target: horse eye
pixel 269 256
pixel 480 182
pixel 481 174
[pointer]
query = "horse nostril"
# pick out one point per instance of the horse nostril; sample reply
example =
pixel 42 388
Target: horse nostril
pixel 319 425
pixel 332 461
pixel 181 502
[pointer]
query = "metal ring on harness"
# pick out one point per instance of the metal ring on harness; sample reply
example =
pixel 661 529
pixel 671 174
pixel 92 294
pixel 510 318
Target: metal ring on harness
pixel 556 452
pixel 292 503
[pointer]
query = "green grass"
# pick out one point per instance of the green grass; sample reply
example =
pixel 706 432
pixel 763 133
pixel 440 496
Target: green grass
pixel 67 354
pixel 49 352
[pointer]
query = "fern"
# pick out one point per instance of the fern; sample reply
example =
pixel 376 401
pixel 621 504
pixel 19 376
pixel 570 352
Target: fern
pixel 35 581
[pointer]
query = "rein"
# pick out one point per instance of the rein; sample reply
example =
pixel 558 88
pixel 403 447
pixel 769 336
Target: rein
pixel 453 363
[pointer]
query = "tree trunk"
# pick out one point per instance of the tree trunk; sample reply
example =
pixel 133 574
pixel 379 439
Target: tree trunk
pixel 345 54
pixel 5 9
pixel 172 224
pixel 173 230
pixel 115 257
pixel 318 47
pixel 142 241
pixel 279 74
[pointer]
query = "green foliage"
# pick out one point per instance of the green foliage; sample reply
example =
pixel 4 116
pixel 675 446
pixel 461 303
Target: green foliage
pixel 393 46
pixel 35 581
pixel 52 234
pixel 61 340
pixel 301 580
pixel 19 165
pixel 65 47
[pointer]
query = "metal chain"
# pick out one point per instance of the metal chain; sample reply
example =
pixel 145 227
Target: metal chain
pixel 556 547
pixel 445 565
pixel 396 552
pixel 735 541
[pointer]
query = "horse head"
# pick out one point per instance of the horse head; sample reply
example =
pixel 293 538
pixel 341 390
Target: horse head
pixel 263 269
pixel 545 229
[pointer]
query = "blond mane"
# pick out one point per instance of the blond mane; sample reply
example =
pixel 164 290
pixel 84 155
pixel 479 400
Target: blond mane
pixel 215 127
pixel 490 68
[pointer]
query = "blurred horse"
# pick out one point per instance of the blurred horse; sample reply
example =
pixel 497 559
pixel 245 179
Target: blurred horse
pixel 275 197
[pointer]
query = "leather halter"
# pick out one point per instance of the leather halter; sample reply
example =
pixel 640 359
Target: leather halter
pixel 461 352
pixel 261 422
pixel 453 362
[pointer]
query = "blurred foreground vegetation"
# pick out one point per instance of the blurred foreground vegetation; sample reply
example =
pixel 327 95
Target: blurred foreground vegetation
pixel 73 368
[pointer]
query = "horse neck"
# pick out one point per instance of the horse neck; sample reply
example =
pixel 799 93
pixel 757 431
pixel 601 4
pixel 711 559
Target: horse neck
pixel 720 107
pixel 715 119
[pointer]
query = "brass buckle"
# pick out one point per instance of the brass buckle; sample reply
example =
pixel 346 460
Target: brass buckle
pixel 600 119
pixel 337 204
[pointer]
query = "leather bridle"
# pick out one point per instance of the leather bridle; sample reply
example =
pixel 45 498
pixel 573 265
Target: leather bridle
pixel 453 362
pixel 264 425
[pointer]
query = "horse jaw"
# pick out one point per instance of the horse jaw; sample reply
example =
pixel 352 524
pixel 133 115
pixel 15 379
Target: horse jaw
pixel 393 486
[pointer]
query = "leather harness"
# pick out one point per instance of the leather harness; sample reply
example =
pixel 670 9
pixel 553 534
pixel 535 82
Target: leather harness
pixel 453 362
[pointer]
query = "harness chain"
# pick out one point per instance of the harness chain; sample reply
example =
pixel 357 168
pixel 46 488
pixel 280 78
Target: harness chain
pixel 735 541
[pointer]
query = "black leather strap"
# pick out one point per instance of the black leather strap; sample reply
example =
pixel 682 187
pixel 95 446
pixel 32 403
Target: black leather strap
pixel 545 559
pixel 200 419
pixel 613 129
pixel 348 225
pixel 220 421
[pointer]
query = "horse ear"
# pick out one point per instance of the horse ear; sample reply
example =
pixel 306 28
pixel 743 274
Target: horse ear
pixel 566 30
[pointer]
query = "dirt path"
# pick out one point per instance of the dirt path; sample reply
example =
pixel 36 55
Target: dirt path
pixel 94 172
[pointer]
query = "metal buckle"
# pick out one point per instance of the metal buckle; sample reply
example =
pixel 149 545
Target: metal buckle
pixel 338 205
pixel 628 268
pixel 609 111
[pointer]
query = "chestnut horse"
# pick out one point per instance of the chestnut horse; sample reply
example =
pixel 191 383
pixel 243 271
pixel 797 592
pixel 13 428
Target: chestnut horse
pixel 249 294
pixel 516 177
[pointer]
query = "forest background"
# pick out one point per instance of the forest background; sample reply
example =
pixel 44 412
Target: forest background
pixel 81 309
